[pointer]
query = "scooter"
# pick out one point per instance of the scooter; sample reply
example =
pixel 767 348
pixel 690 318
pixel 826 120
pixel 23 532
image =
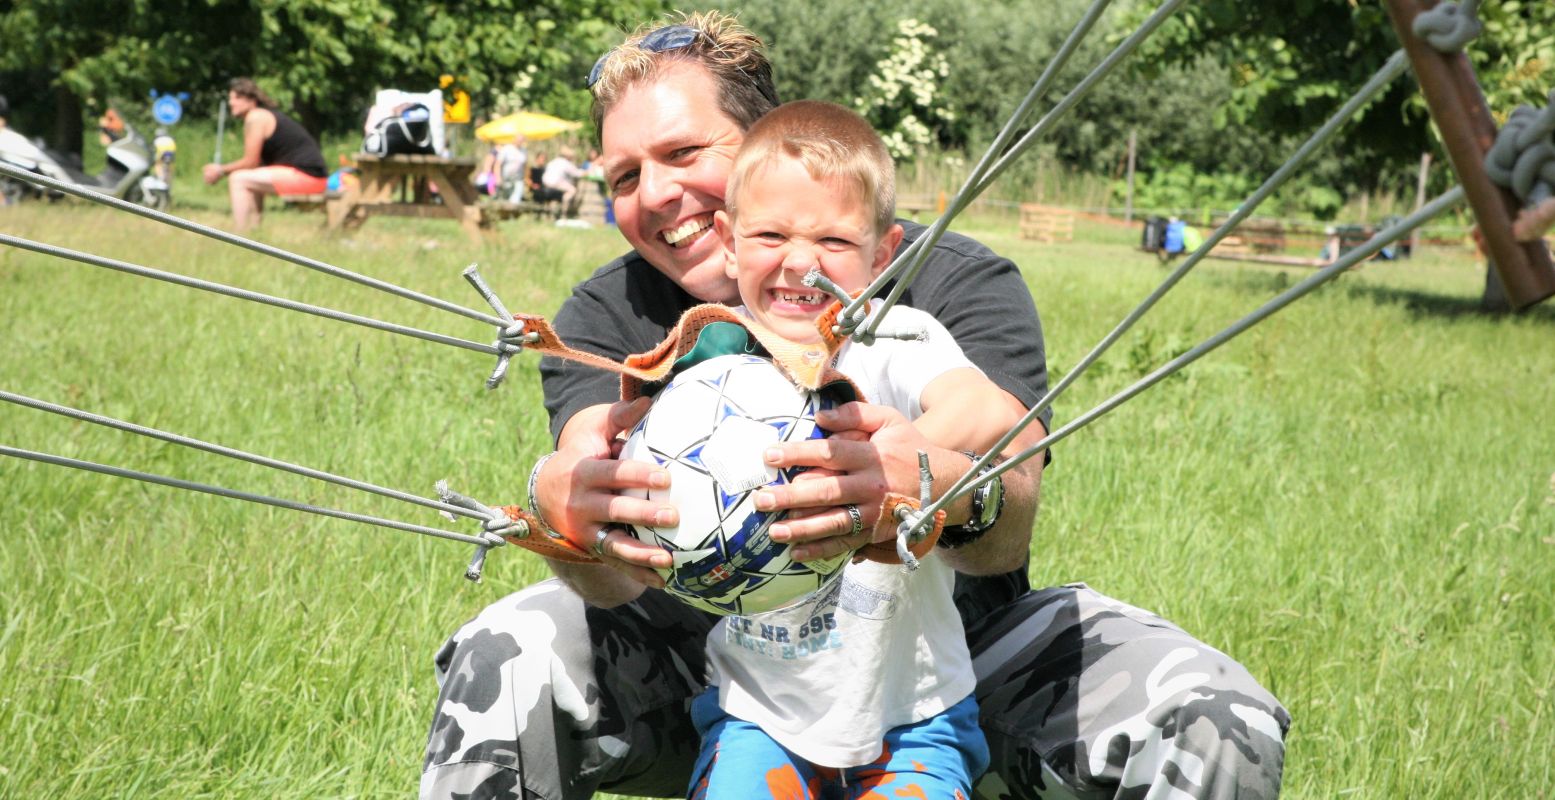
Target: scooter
pixel 127 174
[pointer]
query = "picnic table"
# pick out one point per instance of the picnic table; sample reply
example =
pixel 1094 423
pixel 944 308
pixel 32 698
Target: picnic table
pixel 402 186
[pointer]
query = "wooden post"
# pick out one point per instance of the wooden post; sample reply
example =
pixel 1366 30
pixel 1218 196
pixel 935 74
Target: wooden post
pixel 1128 207
pixel 1458 107
pixel 1425 173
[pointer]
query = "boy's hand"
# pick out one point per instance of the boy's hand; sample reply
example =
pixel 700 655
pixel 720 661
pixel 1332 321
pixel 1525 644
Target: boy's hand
pixel 872 450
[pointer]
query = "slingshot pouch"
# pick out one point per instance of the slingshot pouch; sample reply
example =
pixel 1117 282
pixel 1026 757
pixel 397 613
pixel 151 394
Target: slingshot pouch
pixel 705 331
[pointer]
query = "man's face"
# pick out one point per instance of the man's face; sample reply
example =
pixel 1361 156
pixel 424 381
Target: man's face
pixel 790 223
pixel 667 151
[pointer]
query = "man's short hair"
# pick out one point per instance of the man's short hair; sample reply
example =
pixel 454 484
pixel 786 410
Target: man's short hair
pixel 717 42
pixel 832 142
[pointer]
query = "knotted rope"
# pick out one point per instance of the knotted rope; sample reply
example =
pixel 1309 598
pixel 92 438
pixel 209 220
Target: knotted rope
pixel 1522 161
pixel 1449 26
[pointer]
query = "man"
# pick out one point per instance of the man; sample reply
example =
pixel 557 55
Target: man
pixel 584 683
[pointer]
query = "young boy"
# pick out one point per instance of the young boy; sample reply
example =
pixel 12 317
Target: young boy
pixel 869 684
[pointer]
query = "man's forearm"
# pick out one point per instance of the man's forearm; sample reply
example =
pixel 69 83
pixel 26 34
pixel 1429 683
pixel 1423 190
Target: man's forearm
pixel 1007 544
pixel 597 584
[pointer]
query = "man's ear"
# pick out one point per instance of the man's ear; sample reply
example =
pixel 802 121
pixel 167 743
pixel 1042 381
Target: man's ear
pixel 886 249
pixel 724 227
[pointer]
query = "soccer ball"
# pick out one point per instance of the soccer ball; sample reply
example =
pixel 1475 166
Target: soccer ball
pixel 709 428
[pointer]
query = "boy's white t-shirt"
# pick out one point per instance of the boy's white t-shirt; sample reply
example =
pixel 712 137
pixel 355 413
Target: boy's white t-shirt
pixel 879 648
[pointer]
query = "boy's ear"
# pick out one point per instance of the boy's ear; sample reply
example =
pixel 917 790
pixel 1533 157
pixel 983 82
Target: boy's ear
pixel 725 230
pixel 886 249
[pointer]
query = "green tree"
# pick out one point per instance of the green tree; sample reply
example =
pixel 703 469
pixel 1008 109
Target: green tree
pixel 321 58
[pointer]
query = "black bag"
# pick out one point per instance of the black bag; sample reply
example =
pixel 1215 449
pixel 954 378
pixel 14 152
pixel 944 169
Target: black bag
pixel 407 131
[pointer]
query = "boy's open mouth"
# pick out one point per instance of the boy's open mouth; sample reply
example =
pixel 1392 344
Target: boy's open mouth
pixel 806 298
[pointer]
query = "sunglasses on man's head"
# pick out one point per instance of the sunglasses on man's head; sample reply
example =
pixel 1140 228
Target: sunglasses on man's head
pixel 672 38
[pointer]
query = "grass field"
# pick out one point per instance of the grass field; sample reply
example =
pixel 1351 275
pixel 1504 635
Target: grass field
pixel 1356 500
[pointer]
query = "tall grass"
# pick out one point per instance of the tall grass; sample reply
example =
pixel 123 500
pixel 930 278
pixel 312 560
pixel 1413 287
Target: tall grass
pixel 1354 499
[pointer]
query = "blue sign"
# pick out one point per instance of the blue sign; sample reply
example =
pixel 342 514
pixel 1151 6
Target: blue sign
pixel 167 110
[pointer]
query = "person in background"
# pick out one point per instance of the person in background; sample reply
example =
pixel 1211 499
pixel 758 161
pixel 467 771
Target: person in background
pixel 561 176
pixel 509 169
pixel 279 155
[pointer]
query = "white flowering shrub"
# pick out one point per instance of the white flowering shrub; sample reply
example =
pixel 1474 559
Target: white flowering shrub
pixel 512 99
pixel 900 97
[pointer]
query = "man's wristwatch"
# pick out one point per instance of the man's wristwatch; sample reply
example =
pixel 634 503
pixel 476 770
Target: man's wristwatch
pixel 987 505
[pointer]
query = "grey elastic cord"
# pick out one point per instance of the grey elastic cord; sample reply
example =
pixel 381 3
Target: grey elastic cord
pixel 109 422
pixel 906 266
pixel 971 480
pixel 247 244
pixel 243 294
pixel 177 483
pixel 1395 66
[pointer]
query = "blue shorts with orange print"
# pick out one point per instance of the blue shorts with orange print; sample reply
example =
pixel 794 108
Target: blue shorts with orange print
pixel 936 759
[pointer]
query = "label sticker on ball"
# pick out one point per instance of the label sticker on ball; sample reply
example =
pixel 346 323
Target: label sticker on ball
pixel 733 454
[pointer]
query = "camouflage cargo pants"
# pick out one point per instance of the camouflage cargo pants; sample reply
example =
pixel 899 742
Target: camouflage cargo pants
pixel 1080 696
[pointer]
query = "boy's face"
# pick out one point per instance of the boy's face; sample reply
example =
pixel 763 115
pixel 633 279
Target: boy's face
pixel 788 224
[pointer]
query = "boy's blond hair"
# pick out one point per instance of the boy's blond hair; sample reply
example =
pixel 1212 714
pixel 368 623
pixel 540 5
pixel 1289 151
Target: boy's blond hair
pixel 832 142
pixel 731 54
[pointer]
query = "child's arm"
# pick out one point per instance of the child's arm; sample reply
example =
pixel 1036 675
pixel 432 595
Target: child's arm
pixel 963 410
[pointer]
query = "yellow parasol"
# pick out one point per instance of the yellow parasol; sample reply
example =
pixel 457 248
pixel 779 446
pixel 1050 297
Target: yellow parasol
pixel 531 125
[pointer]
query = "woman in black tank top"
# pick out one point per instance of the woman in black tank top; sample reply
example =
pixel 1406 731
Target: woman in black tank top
pixel 279 155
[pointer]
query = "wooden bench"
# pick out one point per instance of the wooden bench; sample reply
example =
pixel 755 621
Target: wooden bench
pixel 505 209
pixel 1046 224
pixel 307 202
pixel 412 179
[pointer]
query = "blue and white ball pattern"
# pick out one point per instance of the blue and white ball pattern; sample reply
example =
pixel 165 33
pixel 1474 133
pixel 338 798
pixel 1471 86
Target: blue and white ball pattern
pixel 709 427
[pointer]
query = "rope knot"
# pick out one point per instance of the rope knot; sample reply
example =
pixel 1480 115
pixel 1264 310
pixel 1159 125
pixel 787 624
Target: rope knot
pixel 1522 159
pixel 1448 27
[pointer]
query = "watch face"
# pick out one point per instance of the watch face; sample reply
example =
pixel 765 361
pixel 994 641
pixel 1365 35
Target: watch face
pixel 992 502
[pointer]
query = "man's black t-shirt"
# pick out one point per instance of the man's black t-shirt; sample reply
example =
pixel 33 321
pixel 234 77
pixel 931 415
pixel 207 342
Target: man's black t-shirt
pixel 628 307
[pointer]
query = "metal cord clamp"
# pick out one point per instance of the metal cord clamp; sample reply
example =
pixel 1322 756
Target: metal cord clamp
pixel 496 530
pixel 850 326
pixel 511 338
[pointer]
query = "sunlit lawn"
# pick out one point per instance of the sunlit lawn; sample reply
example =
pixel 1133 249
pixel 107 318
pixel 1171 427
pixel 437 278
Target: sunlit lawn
pixel 1356 500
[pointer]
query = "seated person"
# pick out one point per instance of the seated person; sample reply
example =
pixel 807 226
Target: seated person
pixel 561 177
pixel 279 155
pixel 535 184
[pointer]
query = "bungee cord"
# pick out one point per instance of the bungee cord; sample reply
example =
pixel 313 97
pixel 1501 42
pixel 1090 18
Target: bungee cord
pixel 971 479
pixel 906 265
pixel 247 244
pixel 497 524
pixel 1395 66
pixel 243 294
pixel 485 540
pixel 240 455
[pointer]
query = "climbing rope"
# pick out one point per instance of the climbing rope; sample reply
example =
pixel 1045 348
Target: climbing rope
pixel 1449 26
pixel 247 244
pixel 1522 159
pixel 496 523
pixel 243 294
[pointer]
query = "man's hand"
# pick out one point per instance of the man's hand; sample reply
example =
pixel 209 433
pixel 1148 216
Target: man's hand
pixel 579 493
pixel 212 173
pixel 872 450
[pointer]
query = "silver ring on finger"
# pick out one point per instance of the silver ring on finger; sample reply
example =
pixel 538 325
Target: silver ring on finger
pixel 599 541
pixel 858 519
